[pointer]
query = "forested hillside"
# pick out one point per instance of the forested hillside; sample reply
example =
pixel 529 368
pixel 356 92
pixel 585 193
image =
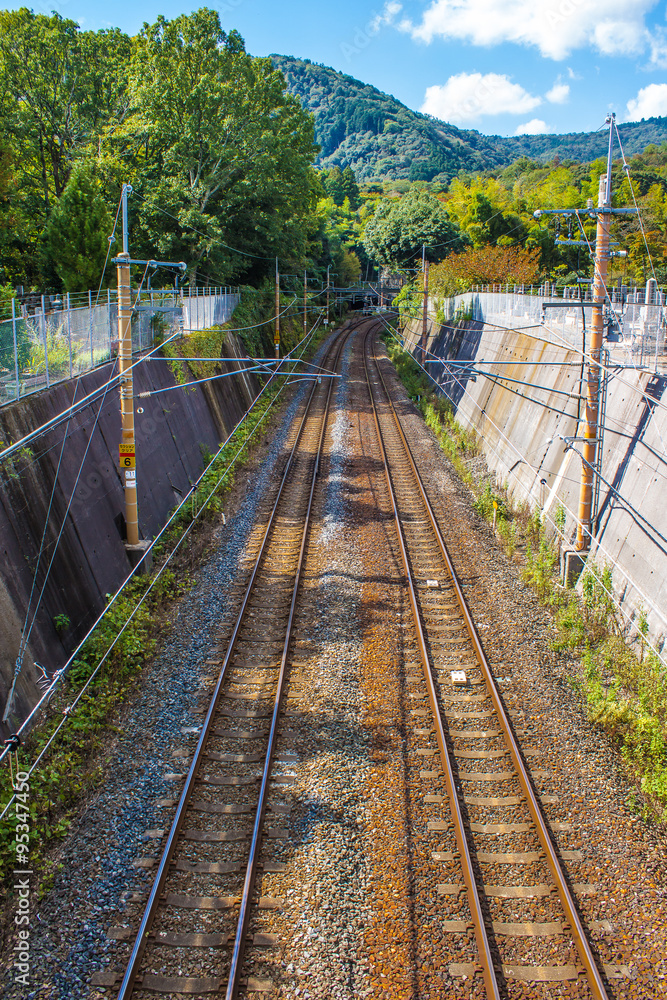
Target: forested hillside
pixel 357 125
pixel 483 228
pixel 219 150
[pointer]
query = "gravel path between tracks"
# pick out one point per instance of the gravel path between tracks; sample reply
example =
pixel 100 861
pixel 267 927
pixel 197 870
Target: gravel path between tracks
pixel 352 917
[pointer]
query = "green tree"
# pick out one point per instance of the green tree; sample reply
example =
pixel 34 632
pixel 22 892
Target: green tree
pixel 216 142
pixel 60 88
pixel 351 188
pixel 77 232
pixel 398 230
pixel 332 182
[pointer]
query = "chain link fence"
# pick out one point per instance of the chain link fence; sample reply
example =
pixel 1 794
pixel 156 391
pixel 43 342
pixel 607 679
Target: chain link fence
pixel 46 339
pixel 635 319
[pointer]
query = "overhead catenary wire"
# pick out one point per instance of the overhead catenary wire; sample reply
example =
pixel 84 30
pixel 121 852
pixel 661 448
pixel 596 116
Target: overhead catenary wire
pixel 499 379
pixel 63 415
pixel 198 232
pixel 201 381
pixel 111 241
pixel 626 168
pixel 612 373
pixel 23 643
pixel 575 350
pixel 25 638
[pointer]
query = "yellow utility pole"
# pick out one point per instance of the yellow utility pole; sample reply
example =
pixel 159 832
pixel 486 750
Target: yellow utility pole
pixel 276 338
pixel 593 370
pixel 127 454
pixel 136 550
pixel 590 454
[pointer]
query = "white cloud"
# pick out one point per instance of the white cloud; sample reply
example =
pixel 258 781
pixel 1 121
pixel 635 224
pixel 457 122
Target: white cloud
pixel 390 12
pixel 659 47
pixel 650 101
pixel 534 127
pixel 468 96
pixel 558 94
pixel 555 27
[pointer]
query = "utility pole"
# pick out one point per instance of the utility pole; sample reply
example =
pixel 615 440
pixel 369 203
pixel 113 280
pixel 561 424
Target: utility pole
pixel 305 303
pixel 126 447
pixel 590 454
pixel 425 310
pixel 276 338
pixel 591 417
pixel 127 455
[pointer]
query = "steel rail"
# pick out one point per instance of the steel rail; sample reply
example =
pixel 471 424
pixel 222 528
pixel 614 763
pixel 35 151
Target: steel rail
pixel 474 902
pixel 141 940
pixel 568 902
pixel 253 856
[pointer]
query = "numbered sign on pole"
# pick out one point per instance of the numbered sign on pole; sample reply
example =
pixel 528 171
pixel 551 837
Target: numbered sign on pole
pixel 127 456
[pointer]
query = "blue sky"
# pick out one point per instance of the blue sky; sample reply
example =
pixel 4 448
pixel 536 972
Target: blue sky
pixel 500 66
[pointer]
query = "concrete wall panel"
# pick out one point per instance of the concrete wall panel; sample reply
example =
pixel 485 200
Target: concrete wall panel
pixel 90 561
pixel 520 428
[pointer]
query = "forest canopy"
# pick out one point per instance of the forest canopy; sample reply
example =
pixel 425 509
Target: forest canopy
pixel 218 152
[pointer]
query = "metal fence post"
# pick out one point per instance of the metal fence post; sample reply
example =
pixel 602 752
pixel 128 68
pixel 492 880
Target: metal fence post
pixel 16 353
pixel 46 345
pixel 90 320
pixel 109 318
pixel 69 336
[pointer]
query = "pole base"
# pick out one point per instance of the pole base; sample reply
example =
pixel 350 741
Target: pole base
pixel 572 563
pixel 139 560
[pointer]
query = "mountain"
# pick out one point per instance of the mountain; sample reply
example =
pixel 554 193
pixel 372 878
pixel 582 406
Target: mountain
pixel 357 125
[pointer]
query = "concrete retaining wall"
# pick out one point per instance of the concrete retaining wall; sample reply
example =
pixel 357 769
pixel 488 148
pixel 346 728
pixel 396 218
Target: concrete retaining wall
pixel 90 560
pixel 519 426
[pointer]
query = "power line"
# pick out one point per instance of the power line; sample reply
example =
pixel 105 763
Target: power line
pixel 91 397
pixel 25 638
pixel 61 673
pixel 111 241
pixel 206 236
pixel 591 566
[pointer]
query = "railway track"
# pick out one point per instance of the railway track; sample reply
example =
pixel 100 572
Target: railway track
pixel 195 928
pixel 504 856
pixel 506 907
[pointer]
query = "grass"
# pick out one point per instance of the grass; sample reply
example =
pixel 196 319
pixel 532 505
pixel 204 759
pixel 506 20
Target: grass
pixel 621 681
